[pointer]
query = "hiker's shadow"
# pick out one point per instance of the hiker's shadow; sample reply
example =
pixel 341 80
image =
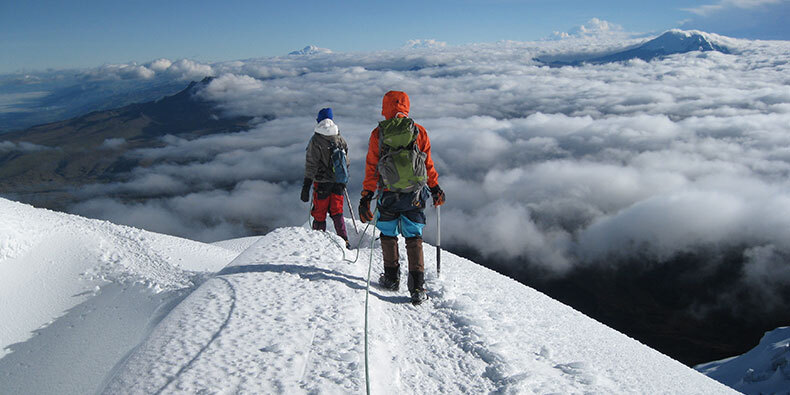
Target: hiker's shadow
pixel 312 274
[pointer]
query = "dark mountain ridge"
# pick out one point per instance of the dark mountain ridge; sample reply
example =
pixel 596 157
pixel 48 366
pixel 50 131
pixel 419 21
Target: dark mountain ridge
pixel 66 100
pixel 41 164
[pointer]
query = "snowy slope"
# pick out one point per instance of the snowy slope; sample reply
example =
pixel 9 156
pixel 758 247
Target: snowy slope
pixel 77 294
pixel 287 316
pixel 681 41
pixel 764 369
pixel 238 245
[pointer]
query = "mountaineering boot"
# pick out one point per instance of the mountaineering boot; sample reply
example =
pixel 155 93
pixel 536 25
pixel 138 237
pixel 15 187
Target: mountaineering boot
pixel 416 284
pixel 340 226
pixel 418 297
pixel 390 279
pixel 319 225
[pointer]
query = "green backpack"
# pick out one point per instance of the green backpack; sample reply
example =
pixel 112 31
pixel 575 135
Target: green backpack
pixel 401 163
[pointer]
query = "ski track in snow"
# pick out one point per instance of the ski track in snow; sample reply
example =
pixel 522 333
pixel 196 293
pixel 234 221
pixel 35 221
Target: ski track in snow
pixel 287 316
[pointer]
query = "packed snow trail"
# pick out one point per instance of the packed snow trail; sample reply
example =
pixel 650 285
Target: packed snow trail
pixel 287 316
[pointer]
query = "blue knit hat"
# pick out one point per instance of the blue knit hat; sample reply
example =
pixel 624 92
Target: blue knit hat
pixel 324 114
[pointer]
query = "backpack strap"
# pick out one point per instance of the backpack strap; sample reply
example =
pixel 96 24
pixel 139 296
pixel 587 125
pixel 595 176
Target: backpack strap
pixel 381 184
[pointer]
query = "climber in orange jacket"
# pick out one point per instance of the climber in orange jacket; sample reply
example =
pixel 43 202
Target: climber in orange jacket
pixel 403 190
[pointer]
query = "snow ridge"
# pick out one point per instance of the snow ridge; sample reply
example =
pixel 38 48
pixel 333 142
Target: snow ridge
pixel 76 295
pixel 287 316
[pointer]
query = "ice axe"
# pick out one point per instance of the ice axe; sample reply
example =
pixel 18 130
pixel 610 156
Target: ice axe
pixel 351 210
pixel 438 241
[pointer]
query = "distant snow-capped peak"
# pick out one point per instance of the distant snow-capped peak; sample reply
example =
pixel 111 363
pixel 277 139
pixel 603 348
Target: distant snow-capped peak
pixel 680 41
pixel 671 42
pixel 310 50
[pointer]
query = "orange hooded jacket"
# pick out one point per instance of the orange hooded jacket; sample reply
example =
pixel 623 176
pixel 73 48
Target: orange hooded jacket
pixel 396 104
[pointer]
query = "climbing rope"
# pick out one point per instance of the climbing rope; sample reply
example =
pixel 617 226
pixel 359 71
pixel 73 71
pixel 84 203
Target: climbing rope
pixel 343 248
pixel 367 285
pixel 367 297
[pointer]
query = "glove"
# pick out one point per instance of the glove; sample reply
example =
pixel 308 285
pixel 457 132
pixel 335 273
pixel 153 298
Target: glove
pixel 437 194
pixel 306 189
pixel 364 206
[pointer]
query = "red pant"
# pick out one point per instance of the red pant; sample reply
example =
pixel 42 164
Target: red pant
pixel 332 204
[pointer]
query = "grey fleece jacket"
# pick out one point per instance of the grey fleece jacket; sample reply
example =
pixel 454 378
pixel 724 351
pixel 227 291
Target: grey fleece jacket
pixel 318 165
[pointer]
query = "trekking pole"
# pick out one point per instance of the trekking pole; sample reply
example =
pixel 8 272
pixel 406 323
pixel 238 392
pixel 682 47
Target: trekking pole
pixel 351 210
pixel 438 241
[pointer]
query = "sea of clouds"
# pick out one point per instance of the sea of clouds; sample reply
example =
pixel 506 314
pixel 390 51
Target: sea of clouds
pixel 559 167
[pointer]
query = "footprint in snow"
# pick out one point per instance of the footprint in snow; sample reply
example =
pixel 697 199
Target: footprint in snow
pixel 276 348
pixel 579 370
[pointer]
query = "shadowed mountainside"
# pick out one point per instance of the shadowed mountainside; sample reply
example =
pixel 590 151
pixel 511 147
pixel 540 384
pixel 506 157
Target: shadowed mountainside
pixel 65 102
pixel 40 165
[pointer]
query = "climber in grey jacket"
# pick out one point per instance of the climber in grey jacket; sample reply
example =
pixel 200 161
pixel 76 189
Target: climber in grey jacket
pixel 318 172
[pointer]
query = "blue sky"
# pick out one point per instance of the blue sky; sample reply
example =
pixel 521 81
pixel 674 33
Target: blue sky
pixel 37 35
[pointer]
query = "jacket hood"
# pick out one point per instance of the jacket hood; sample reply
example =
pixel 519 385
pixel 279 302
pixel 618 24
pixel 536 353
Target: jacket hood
pixel 327 127
pixel 395 102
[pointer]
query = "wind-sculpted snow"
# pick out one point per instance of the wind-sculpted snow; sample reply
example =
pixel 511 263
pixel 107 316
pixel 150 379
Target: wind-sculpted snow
pixel 77 294
pixel 287 316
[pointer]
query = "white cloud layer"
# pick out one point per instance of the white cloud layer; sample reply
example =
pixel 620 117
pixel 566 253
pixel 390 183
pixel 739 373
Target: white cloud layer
pixel 14 102
pixel 595 28
pixel 24 146
pixel 183 69
pixel 425 43
pixel 556 166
